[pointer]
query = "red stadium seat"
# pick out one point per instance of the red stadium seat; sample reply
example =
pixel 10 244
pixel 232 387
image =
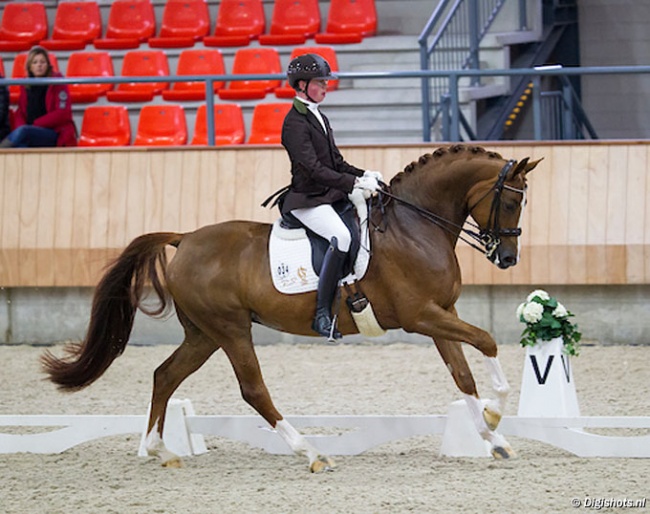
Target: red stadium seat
pixel 249 61
pixel 23 25
pixel 293 22
pixel 196 62
pixel 89 64
pixel 141 63
pixel 75 25
pixel 238 21
pixel 18 72
pixel 228 125
pixel 349 21
pixel 326 52
pixel 130 22
pixel 184 22
pixel 266 127
pixel 105 125
pixel 2 68
pixel 161 125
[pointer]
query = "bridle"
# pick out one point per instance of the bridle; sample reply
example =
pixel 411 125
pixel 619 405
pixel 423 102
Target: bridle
pixel 485 240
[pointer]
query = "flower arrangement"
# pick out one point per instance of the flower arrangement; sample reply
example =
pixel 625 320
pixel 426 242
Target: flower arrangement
pixel 546 319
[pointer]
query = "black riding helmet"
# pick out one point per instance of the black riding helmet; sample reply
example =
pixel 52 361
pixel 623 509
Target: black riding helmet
pixel 307 67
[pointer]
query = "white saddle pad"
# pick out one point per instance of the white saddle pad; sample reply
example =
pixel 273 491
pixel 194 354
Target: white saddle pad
pixel 290 257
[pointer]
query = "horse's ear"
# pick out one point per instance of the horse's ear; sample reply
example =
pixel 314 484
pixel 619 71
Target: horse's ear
pixel 524 166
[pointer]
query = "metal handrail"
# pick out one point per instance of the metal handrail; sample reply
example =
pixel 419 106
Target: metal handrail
pixel 453 76
pixel 459 24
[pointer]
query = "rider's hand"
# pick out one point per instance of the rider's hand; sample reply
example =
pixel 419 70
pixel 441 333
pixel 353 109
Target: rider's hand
pixel 367 184
pixel 374 174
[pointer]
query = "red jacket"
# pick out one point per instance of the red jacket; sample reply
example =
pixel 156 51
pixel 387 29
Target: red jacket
pixel 59 113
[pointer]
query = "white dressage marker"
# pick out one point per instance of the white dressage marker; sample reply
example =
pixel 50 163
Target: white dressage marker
pixel 547 385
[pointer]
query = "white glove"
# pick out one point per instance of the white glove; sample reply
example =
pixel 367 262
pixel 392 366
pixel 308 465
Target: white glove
pixel 367 184
pixel 374 174
pixel 358 197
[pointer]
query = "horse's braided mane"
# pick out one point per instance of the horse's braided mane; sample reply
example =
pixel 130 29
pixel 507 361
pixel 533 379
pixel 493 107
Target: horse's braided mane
pixel 441 154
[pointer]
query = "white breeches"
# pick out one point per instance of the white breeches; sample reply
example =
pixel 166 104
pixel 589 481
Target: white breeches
pixel 324 221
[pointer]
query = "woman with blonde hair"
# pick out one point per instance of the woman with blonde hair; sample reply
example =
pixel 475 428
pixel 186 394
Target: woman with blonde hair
pixel 44 114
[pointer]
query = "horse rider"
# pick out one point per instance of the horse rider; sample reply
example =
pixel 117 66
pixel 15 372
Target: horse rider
pixel 320 177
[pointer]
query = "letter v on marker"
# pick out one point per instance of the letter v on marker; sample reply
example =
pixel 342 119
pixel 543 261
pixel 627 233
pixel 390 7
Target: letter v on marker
pixel 541 379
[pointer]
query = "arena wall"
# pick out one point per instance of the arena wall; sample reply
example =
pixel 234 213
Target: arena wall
pixel 66 213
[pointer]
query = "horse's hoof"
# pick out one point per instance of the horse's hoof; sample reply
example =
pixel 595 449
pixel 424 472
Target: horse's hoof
pixel 492 418
pixel 503 452
pixel 321 464
pixel 174 462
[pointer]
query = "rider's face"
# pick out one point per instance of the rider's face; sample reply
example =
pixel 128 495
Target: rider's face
pixel 317 89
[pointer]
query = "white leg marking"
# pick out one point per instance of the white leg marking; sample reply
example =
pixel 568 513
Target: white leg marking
pixel 296 440
pixel 476 410
pixel 156 446
pixel 499 383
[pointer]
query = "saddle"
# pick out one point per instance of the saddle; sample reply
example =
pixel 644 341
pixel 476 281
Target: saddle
pixel 296 253
pixel 319 245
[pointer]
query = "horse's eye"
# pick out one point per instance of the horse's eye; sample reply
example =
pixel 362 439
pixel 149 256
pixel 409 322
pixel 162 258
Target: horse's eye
pixel 510 207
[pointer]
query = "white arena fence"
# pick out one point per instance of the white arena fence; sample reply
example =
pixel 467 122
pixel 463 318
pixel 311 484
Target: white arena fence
pixel 340 435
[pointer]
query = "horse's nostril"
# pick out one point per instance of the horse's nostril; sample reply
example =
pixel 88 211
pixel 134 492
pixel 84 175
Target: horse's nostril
pixel 509 260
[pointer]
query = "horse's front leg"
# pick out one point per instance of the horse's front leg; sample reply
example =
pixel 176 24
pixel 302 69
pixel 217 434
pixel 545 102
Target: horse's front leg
pixel 444 324
pixel 495 408
pixel 484 417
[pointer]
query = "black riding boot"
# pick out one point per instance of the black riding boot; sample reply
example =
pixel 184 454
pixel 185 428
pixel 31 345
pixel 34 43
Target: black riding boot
pixel 328 282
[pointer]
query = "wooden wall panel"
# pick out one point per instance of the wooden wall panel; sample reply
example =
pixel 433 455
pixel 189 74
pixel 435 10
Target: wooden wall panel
pixel 635 202
pixel 64 213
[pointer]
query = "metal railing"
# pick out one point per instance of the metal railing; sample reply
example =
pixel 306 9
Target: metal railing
pixel 452 110
pixel 451 40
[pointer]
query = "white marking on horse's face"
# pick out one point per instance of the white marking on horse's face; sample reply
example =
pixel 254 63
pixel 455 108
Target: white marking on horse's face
pixel 520 222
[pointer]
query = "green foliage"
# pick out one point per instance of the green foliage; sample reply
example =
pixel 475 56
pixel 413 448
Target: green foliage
pixel 547 319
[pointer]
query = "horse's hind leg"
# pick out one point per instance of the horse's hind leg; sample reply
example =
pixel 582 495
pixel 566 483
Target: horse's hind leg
pixel 188 357
pixel 244 361
pixel 484 417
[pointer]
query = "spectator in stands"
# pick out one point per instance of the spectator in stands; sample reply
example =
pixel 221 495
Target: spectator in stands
pixel 44 115
pixel 321 179
pixel 4 111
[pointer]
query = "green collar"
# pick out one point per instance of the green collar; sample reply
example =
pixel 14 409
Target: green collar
pixel 301 107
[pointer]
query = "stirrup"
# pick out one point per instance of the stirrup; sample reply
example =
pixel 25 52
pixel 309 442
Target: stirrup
pixel 325 326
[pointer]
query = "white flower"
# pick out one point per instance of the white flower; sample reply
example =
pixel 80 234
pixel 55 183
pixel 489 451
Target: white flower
pixel 543 295
pixel 520 309
pixel 532 312
pixel 560 311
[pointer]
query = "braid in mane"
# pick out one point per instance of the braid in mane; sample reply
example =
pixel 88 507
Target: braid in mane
pixel 439 154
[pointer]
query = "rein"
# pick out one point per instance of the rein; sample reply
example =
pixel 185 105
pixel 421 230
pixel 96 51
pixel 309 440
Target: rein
pixel 485 240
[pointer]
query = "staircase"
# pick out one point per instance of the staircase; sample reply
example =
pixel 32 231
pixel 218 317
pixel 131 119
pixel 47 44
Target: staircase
pixel 508 117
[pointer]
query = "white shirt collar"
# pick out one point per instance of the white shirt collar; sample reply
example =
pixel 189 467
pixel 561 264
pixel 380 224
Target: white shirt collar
pixel 313 107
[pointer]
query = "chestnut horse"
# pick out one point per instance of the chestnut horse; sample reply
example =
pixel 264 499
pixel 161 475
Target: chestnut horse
pixel 220 283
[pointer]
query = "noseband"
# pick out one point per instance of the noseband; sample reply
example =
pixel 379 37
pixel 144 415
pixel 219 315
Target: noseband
pixel 486 240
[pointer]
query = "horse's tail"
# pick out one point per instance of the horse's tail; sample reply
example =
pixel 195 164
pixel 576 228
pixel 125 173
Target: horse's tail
pixel 115 301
